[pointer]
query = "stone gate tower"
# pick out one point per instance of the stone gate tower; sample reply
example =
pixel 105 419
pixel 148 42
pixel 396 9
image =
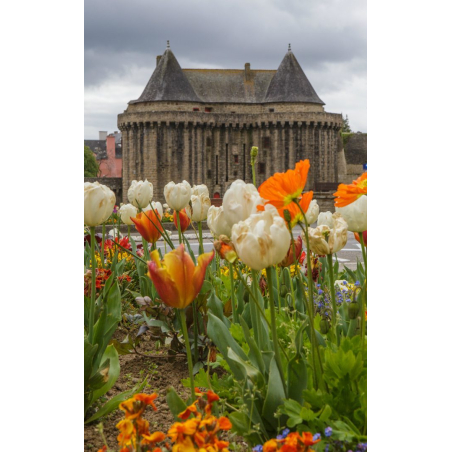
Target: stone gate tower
pixel 200 124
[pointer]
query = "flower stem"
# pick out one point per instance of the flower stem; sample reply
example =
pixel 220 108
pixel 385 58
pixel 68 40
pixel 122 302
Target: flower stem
pixel 178 226
pixel 363 248
pixel 93 285
pixel 273 325
pixel 128 232
pixel 231 275
pixel 102 248
pixel 201 245
pixel 333 295
pixel 188 349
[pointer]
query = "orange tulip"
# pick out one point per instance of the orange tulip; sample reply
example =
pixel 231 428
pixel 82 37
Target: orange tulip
pixel 148 225
pixel 346 194
pixel 184 220
pixel 282 189
pixel 176 278
pixel 289 259
pixel 364 238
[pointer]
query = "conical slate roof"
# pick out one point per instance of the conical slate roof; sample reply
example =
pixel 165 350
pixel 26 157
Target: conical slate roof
pixel 290 84
pixel 168 82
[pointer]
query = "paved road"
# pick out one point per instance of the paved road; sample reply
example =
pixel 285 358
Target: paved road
pixel 347 256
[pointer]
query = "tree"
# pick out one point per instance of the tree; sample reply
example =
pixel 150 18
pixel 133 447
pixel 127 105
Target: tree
pixel 91 166
pixel 346 127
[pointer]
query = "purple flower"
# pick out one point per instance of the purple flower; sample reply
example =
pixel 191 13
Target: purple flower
pixel 328 431
pixel 258 448
pixel 316 436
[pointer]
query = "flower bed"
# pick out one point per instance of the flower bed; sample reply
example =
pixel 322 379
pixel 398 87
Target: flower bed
pixel 269 333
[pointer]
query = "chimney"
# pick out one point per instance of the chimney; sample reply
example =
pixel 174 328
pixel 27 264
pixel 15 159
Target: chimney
pixel 158 59
pixel 102 135
pixel 247 72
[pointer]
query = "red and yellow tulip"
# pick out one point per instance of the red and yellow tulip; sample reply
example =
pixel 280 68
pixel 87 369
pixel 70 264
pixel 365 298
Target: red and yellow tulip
pixel 148 225
pixel 176 278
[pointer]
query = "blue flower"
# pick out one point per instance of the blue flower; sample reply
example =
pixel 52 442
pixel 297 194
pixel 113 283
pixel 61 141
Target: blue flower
pixel 328 431
pixel 285 432
pixel 320 291
pixel 327 448
pixel 357 283
pixel 316 436
pixel 258 448
pixel 318 285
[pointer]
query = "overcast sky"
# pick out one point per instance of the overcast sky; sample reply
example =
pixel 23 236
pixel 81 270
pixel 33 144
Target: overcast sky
pixel 123 38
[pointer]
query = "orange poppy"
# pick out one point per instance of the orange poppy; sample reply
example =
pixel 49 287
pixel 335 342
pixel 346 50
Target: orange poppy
pixel 282 189
pixel 148 225
pixel 346 194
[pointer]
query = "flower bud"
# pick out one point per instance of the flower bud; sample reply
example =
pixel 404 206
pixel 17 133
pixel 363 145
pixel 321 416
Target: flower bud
pixel 324 326
pixel 99 202
pixel 128 211
pixel 353 310
pixel 254 152
pixel 177 195
pixel 225 249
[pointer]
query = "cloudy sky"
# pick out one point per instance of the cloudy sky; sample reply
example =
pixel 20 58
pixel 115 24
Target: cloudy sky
pixel 123 38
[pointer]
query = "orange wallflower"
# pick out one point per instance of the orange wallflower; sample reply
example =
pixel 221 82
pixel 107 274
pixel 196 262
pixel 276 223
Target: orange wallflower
pixel 176 278
pixel 148 225
pixel 346 194
pixel 282 189
pixel 306 438
pixel 184 220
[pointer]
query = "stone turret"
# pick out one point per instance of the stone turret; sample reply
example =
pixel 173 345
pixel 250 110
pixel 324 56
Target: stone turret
pixel 168 82
pixel 290 83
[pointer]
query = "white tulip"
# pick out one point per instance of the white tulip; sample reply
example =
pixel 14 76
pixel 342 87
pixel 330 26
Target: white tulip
pixel 261 240
pixel 312 213
pixel 200 204
pixel 198 190
pixel 99 203
pixel 128 211
pixel 355 214
pixel 240 201
pixel 140 193
pixel 326 240
pixel 325 218
pixel 217 223
pixel 113 233
pixel 157 207
pixel 177 195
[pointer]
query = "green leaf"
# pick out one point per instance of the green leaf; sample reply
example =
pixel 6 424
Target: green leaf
pixel 113 372
pixel 275 394
pixel 216 306
pixel 175 403
pixel 248 370
pixel 326 413
pixel 113 403
pixel 255 354
pixel 297 378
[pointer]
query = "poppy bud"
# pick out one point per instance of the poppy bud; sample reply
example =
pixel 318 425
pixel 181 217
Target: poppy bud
pixel 324 326
pixel 353 310
pixel 254 151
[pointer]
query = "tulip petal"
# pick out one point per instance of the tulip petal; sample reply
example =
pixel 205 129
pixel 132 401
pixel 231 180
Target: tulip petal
pixel 200 271
pixel 164 285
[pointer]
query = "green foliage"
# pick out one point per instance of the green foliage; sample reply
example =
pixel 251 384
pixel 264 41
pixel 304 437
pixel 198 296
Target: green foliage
pixel 91 168
pixel 346 126
pixel 344 404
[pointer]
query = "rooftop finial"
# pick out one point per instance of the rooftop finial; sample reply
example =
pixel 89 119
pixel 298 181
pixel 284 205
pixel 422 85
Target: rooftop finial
pixel 167 44
pixel 289 47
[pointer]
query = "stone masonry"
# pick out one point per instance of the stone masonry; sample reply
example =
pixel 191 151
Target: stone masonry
pixel 199 125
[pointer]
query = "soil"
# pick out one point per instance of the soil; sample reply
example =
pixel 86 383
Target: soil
pixel 163 372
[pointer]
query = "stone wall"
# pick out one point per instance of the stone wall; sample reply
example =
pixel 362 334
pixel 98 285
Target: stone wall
pixel 352 157
pixel 214 148
pixel 113 183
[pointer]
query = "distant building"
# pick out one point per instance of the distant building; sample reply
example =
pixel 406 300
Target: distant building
pixel 200 124
pixel 108 151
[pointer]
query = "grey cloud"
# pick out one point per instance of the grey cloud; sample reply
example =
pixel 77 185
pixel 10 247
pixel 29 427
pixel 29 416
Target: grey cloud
pixel 121 37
